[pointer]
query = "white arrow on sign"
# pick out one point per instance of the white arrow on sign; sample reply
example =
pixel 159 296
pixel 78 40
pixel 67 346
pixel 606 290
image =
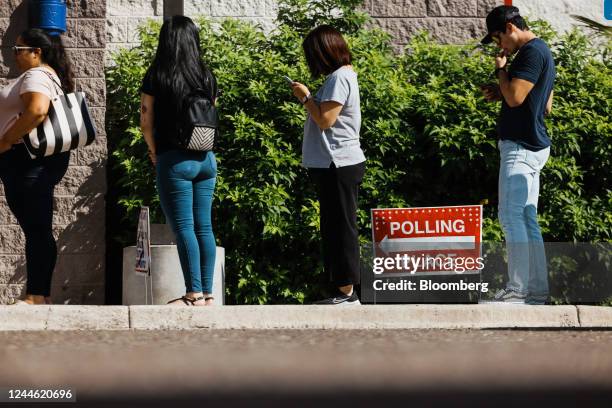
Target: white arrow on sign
pixel 426 243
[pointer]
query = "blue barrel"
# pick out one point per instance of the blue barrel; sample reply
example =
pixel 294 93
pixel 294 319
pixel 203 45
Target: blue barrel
pixel 50 15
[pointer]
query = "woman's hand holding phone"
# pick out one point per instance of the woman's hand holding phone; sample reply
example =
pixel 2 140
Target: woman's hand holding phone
pixel 300 91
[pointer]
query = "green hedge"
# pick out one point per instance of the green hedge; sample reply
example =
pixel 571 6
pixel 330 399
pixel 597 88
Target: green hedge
pixel 426 131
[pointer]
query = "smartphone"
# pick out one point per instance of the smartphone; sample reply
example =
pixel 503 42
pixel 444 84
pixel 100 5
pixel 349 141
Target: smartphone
pixel 489 86
pixel 289 80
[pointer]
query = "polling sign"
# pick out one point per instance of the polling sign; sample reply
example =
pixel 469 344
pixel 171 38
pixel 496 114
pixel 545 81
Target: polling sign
pixel 427 240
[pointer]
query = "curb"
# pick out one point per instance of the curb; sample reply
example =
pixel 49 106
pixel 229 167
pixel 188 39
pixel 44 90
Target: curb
pixel 361 317
pixel 64 317
pixel 595 316
pixel 73 317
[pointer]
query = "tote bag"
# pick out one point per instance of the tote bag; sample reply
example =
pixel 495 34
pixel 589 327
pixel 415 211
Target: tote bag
pixel 68 125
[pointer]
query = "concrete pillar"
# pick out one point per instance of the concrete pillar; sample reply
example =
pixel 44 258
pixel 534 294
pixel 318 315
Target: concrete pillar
pixel 166 281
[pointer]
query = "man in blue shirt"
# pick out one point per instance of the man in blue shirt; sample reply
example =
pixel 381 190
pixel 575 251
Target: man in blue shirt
pixel 526 92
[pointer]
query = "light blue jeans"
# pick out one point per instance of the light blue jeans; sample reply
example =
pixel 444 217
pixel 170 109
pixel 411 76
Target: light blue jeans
pixel 186 183
pixel 519 188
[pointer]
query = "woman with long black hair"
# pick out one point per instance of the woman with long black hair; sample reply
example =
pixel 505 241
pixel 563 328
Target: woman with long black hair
pixel 332 154
pixel 185 179
pixel 28 183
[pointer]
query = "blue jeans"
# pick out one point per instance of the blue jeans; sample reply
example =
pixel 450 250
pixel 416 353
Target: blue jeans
pixel 519 188
pixel 186 183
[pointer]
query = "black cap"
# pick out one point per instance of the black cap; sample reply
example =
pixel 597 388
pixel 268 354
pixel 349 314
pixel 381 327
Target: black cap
pixel 497 19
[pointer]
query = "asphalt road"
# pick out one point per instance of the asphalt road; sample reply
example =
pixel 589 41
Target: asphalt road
pixel 450 368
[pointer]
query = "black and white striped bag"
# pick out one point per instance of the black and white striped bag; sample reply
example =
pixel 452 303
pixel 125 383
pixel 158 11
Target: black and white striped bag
pixel 68 125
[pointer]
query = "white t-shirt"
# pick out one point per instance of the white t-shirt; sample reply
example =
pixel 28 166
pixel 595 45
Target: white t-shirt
pixel 11 105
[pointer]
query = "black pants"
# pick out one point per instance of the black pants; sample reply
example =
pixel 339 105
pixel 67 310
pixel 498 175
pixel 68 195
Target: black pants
pixel 28 187
pixel 338 188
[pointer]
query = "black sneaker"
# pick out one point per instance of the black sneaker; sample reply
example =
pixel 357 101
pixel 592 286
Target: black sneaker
pixel 340 299
pixel 506 296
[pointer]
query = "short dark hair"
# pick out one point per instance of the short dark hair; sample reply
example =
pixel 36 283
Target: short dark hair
pixel 325 50
pixel 519 22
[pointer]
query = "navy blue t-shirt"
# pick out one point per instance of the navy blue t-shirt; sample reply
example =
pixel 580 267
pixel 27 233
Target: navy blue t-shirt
pixel 525 123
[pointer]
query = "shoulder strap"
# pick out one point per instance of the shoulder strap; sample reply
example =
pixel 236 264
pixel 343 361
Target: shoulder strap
pixel 52 77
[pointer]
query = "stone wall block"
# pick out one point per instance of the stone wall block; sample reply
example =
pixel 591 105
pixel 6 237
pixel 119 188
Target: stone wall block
pixel 78 269
pixel 134 23
pixel 485 6
pixel 452 8
pixel 132 7
pixel 7 7
pixel 238 8
pixel 12 269
pixel 445 30
pixel 116 29
pixel 91 33
pixel 97 116
pixel 69 38
pixel 195 8
pixel 10 292
pixel 63 210
pixel 12 240
pixel 87 63
pixel 399 8
pixel 6 216
pixel 70 294
pixel 94 154
pixel 72 181
pixel 95 91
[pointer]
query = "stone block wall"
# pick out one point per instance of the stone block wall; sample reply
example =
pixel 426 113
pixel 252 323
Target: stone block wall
pixel 451 21
pixel 124 16
pixel 448 21
pixel 79 209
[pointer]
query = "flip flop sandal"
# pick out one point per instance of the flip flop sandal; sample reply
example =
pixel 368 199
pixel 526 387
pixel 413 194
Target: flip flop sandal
pixel 187 301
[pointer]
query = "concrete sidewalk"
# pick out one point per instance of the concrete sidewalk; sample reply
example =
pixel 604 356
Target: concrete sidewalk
pixel 73 317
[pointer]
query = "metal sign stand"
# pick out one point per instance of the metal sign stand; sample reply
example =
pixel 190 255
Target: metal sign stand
pixel 143 253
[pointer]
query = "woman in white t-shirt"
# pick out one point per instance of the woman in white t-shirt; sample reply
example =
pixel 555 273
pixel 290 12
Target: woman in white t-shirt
pixel 29 184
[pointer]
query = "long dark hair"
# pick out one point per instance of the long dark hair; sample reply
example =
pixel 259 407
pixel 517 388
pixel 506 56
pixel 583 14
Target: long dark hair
pixel 178 68
pixel 325 50
pixel 53 54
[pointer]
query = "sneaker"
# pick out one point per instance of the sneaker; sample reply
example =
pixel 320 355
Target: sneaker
pixel 537 300
pixel 507 296
pixel 340 299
